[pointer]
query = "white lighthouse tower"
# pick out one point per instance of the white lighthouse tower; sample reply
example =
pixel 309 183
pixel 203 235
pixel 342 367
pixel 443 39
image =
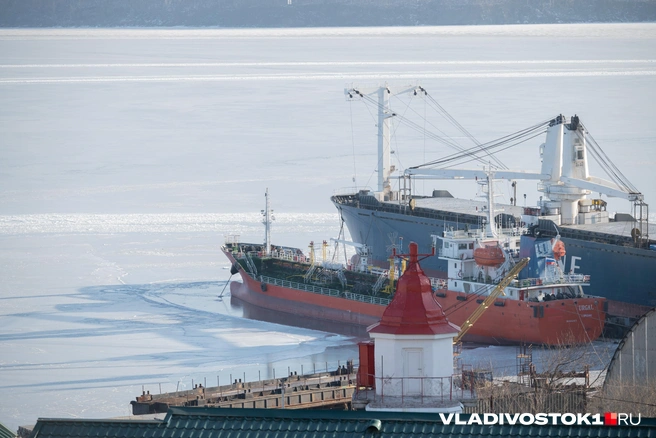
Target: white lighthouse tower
pixel 413 349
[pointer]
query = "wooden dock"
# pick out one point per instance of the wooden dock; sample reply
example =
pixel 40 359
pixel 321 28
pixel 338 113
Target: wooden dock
pixel 310 391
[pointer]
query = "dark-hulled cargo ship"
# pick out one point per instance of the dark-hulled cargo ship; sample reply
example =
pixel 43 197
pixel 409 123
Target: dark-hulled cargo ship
pixel 617 252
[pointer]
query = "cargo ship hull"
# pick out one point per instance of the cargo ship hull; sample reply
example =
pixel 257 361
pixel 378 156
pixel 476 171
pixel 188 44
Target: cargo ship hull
pixel 560 322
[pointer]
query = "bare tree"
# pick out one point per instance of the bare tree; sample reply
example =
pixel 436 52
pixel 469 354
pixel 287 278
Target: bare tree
pixel 559 381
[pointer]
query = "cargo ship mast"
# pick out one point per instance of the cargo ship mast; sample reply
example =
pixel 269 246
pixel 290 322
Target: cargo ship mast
pixel 385 169
pixel 267 214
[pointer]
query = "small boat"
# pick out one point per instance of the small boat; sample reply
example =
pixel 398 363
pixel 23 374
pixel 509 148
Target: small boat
pixel 489 256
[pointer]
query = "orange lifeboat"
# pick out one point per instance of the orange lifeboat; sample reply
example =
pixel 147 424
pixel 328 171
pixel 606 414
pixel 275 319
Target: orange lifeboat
pixel 559 250
pixel 489 256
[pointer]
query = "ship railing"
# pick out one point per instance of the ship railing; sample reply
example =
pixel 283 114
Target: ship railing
pixel 454 253
pixel 366 298
pixel 576 278
pixel 344 191
pixel 324 291
pixel 464 234
pixel 413 391
pixel 289 256
pixel 526 282
pixel 281 255
pixel 231 239
pixel 478 232
pixel 568 278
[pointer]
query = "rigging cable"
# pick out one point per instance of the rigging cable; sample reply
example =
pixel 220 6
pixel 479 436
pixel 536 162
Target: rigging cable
pixel 461 157
pixel 605 161
pixel 418 128
pixel 462 129
pixel 532 131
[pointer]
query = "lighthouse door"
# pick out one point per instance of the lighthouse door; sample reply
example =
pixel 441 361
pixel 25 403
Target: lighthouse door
pixel 412 371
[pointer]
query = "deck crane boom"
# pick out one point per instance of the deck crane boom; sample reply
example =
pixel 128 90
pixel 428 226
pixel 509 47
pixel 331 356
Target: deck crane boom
pixel 498 290
pixel 564 177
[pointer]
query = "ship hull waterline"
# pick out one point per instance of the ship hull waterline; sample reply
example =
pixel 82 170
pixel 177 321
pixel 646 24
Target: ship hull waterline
pixel 562 322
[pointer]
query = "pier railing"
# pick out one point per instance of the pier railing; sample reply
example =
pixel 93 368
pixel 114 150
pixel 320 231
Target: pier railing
pixel 410 391
pixel 324 291
pixel 294 391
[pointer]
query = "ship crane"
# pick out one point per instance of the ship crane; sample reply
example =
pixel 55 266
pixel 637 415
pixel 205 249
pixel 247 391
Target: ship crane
pixel 564 173
pixel 589 184
pixel 564 177
pixel 489 300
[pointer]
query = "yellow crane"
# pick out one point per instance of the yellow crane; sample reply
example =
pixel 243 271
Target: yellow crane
pixel 498 290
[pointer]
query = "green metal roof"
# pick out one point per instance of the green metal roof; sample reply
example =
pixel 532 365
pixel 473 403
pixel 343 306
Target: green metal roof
pixel 5 432
pixel 194 422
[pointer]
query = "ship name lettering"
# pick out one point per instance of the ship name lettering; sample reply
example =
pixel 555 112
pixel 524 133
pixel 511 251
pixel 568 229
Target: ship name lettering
pixel 585 307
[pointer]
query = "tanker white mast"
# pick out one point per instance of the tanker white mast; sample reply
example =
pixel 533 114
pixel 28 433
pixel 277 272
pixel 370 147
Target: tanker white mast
pixel 383 94
pixel 267 213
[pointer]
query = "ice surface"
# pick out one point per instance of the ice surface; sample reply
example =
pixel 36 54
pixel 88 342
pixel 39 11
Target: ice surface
pixel 198 121
pixel 127 155
pixel 94 306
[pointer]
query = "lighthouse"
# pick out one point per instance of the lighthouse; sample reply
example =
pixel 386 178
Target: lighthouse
pixel 412 348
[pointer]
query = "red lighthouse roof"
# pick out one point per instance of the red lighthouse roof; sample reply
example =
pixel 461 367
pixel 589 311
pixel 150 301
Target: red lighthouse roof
pixel 414 310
